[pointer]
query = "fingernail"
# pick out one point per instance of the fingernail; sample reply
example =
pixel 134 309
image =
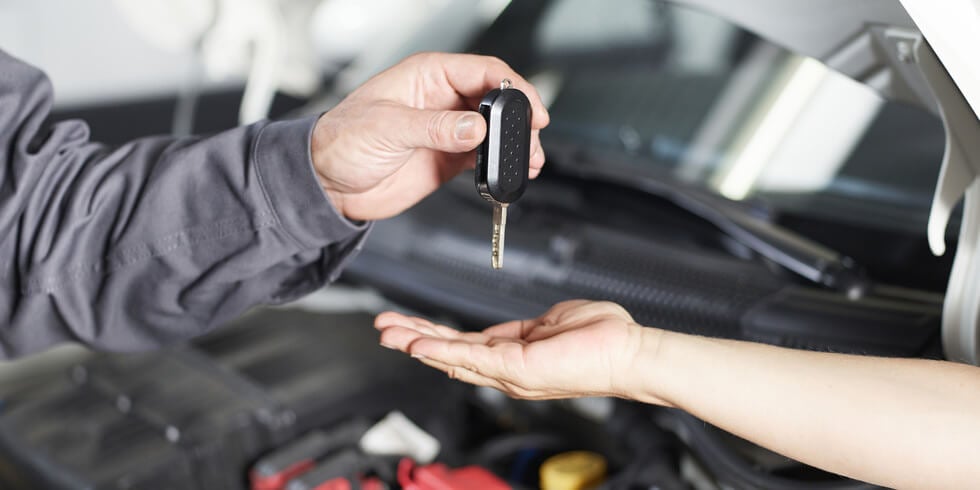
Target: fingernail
pixel 465 127
pixel 386 346
pixel 418 356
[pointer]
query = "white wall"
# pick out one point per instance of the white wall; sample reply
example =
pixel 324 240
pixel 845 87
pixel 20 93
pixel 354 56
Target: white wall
pixel 88 49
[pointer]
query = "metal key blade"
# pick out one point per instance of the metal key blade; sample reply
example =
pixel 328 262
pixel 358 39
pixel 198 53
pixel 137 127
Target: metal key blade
pixel 499 226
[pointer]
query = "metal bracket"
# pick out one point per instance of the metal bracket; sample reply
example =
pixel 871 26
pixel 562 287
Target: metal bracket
pixel 959 177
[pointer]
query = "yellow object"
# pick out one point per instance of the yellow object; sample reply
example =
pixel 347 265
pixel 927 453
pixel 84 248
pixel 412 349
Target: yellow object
pixel 579 470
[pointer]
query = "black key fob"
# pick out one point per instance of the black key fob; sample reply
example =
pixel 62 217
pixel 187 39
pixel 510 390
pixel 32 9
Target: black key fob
pixel 502 160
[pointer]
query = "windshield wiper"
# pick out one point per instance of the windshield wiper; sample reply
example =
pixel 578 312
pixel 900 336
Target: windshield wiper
pixel 790 250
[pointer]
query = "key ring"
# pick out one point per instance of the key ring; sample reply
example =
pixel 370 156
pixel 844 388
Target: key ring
pixel 505 84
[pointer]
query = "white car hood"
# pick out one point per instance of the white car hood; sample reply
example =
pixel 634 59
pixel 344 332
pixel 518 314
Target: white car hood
pixel 952 27
pixel 917 51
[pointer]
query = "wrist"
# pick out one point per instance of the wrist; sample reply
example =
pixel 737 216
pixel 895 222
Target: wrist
pixel 319 142
pixel 650 370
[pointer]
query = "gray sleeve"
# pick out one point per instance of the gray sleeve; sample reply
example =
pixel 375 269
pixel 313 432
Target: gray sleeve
pixel 130 247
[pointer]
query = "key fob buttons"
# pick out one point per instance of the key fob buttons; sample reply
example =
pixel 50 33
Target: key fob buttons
pixel 502 159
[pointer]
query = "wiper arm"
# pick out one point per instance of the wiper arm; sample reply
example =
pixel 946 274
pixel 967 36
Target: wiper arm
pixel 794 252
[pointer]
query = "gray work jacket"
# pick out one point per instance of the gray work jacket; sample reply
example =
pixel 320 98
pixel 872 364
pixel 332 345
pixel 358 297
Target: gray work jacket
pixel 129 247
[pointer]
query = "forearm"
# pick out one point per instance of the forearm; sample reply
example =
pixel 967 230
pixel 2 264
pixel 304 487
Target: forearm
pixel 155 240
pixel 895 422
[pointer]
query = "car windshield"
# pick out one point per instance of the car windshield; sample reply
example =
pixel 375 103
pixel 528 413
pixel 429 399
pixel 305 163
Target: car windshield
pixel 685 96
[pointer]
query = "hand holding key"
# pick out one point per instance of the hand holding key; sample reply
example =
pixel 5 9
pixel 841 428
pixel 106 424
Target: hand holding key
pixel 409 129
pixel 503 160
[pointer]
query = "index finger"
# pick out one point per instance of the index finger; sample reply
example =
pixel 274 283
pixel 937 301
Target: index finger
pixel 472 75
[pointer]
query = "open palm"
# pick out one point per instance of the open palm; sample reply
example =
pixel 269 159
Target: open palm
pixel 577 348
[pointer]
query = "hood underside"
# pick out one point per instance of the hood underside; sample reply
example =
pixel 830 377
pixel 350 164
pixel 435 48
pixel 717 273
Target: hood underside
pixel 916 52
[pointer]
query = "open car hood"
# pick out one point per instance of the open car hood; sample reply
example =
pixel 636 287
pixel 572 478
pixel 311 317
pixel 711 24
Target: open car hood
pixel 953 30
pixel 917 52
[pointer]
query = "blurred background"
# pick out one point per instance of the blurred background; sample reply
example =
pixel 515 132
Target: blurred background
pixel 709 180
pixel 702 97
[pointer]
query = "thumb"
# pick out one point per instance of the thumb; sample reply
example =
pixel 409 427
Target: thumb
pixel 448 131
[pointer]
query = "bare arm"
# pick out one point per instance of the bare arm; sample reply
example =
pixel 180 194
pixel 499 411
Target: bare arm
pixel 895 422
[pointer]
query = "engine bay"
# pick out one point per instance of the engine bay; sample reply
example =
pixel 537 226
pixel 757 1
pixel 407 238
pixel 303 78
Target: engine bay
pixel 238 408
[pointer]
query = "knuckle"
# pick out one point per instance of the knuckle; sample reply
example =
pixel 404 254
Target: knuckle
pixel 493 60
pixel 434 129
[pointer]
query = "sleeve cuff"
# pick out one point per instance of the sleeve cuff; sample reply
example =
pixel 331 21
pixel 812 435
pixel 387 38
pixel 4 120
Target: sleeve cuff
pixel 284 166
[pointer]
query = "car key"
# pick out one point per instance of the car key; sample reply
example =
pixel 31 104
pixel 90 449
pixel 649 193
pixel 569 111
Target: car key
pixel 503 158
